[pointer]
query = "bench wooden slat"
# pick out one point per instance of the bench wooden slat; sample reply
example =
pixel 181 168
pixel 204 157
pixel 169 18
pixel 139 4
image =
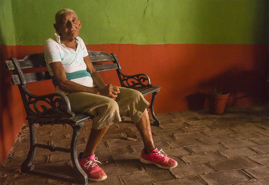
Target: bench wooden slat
pixel 38 76
pixel 98 56
pixel 106 67
pixel 30 61
pixel 27 64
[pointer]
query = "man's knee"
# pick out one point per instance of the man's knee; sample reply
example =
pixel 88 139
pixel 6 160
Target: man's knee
pixel 107 108
pixel 107 114
pixel 135 95
pixel 112 106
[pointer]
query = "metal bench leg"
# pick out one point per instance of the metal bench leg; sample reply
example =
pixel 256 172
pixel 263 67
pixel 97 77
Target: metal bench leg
pixel 82 176
pixel 27 165
pixel 157 122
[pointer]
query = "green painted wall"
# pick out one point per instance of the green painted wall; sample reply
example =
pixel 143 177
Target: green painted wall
pixel 146 21
pixel 7 29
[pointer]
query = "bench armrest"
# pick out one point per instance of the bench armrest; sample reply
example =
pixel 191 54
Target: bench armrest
pixel 49 106
pixel 137 80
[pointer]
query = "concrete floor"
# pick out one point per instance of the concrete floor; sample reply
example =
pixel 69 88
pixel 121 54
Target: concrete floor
pixel 232 148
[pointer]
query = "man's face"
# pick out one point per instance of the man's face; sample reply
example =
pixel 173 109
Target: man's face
pixel 68 25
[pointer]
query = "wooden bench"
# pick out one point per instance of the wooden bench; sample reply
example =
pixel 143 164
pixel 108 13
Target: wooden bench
pixel 55 108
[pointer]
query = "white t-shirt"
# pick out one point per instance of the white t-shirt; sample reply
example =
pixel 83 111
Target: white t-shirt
pixel 73 62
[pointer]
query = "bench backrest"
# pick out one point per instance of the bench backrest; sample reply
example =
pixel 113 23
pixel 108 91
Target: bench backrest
pixel 36 61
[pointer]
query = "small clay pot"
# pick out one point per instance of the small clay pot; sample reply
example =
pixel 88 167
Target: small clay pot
pixel 217 103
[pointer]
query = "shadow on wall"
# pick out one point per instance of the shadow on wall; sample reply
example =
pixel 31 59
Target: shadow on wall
pixel 245 87
pixel 7 120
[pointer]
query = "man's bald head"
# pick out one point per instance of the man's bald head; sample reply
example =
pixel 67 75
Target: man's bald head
pixel 61 13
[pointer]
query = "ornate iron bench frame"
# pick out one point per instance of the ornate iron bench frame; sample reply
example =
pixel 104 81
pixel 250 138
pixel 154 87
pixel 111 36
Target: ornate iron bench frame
pixel 55 108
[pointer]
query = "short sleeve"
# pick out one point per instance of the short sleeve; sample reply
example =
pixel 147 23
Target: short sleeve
pixel 51 51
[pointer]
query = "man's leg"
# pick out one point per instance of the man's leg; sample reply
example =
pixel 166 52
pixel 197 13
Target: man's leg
pixel 105 112
pixel 133 104
pixel 150 154
pixel 143 126
pixel 94 139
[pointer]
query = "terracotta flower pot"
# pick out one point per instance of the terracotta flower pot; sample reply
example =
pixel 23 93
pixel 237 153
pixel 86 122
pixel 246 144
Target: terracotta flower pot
pixel 217 103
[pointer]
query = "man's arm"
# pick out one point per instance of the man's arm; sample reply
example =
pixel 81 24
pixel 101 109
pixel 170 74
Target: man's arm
pixel 103 89
pixel 97 79
pixel 67 85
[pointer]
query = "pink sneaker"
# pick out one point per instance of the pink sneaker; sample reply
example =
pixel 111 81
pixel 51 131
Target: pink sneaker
pixel 159 158
pixel 90 166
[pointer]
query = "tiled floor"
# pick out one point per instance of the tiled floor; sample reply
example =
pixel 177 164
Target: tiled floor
pixel 232 148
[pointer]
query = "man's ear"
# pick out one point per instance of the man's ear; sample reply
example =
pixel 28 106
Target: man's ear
pixel 79 21
pixel 56 27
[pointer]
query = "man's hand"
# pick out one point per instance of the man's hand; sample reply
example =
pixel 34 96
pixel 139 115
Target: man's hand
pixel 109 91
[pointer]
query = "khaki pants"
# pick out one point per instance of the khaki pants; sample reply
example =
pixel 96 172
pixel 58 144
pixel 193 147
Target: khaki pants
pixel 106 111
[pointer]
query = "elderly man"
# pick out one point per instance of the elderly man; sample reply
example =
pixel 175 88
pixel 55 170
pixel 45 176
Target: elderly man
pixel 73 74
